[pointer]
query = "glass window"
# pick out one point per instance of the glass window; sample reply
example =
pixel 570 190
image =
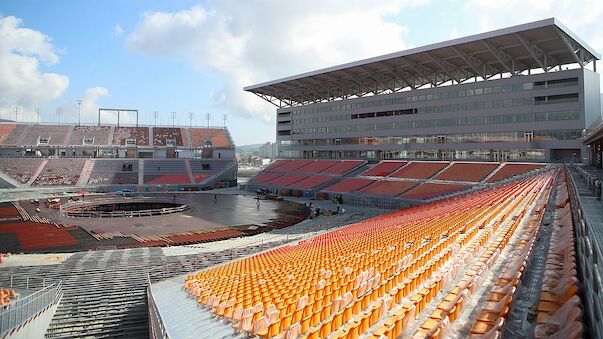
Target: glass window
pixel 487 90
pixel 479 91
pixel 507 88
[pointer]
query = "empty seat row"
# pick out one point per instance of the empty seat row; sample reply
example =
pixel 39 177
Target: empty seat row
pixel 344 281
pixel 89 135
pixel 509 170
pixel 217 136
pixel 22 169
pixel 60 172
pixel 559 309
pixel 473 172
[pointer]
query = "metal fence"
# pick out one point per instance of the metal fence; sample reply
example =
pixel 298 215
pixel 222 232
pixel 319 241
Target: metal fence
pixel 21 310
pixel 157 328
pixel 589 258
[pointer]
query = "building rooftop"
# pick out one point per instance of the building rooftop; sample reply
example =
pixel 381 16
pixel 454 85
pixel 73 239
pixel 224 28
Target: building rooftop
pixel 539 45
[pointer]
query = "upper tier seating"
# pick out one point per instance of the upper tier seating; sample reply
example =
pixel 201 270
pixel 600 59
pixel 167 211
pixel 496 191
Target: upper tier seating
pixel 218 137
pixel 15 134
pixel 140 134
pixel 388 188
pixel 100 134
pixel 340 283
pixel 510 169
pixel 384 168
pixel 60 172
pixel 419 170
pixel 5 131
pixel 22 169
pixel 349 185
pixel 161 134
pixel 474 172
pixel 431 190
pixel 55 133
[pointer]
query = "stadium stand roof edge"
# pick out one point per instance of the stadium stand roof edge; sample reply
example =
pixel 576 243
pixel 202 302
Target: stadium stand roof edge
pixel 540 44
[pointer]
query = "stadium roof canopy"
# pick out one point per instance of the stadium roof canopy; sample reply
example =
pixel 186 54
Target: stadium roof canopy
pixel 543 44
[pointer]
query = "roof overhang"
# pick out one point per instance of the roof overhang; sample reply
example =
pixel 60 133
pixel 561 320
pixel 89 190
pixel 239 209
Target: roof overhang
pixel 543 45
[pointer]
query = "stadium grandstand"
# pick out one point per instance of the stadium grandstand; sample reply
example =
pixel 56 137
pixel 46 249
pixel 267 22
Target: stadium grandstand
pixel 113 157
pixel 523 93
pixel 463 207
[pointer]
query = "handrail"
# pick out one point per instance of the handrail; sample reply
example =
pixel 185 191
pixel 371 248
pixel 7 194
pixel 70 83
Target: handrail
pixel 589 258
pixel 156 324
pixel 23 309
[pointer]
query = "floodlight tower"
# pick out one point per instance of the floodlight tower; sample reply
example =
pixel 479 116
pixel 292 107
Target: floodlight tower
pixel 191 116
pixel 208 118
pixel 59 113
pixel 173 119
pixel 224 116
pixel 79 119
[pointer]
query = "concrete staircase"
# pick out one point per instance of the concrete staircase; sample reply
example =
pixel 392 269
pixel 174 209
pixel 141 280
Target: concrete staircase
pixel 68 136
pixel 151 136
pixel 111 133
pixel 23 135
pixel 189 141
pixel 183 318
pixel 501 165
pixel 141 171
pixel 37 172
pixel 189 170
pixel 86 172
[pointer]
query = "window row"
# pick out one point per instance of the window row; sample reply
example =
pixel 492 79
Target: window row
pixel 460 121
pixel 442 96
pixel 535 154
pixel 513 136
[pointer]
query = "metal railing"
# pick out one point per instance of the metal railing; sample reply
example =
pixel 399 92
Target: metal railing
pixel 77 208
pixel 589 259
pixel 23 309
pixel 157 328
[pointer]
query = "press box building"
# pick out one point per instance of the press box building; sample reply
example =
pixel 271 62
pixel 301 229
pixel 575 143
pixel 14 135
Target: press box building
pixel 522 93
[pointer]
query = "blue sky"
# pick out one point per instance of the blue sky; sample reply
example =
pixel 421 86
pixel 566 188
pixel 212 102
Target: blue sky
pixel 191 56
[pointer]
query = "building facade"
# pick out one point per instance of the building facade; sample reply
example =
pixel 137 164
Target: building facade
pixel 528 113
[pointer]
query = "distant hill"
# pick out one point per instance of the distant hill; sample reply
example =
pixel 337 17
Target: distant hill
pixel 249 148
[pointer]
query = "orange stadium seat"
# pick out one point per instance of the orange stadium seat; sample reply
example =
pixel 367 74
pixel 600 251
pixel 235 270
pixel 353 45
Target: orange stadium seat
pixel 345 281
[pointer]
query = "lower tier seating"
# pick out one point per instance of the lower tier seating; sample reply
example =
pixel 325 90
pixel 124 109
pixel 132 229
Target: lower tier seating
pixel 509 170
pixel 431 190
pixel 344 283
pixel 60 172
pixel 388 188
pixel 22 169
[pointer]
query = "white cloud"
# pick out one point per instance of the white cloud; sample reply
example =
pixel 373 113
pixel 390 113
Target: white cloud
pixel 22 84
pixel 251 42
pixel 583 17
pixel 454 34
pixel 90 105
pixel 118 30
